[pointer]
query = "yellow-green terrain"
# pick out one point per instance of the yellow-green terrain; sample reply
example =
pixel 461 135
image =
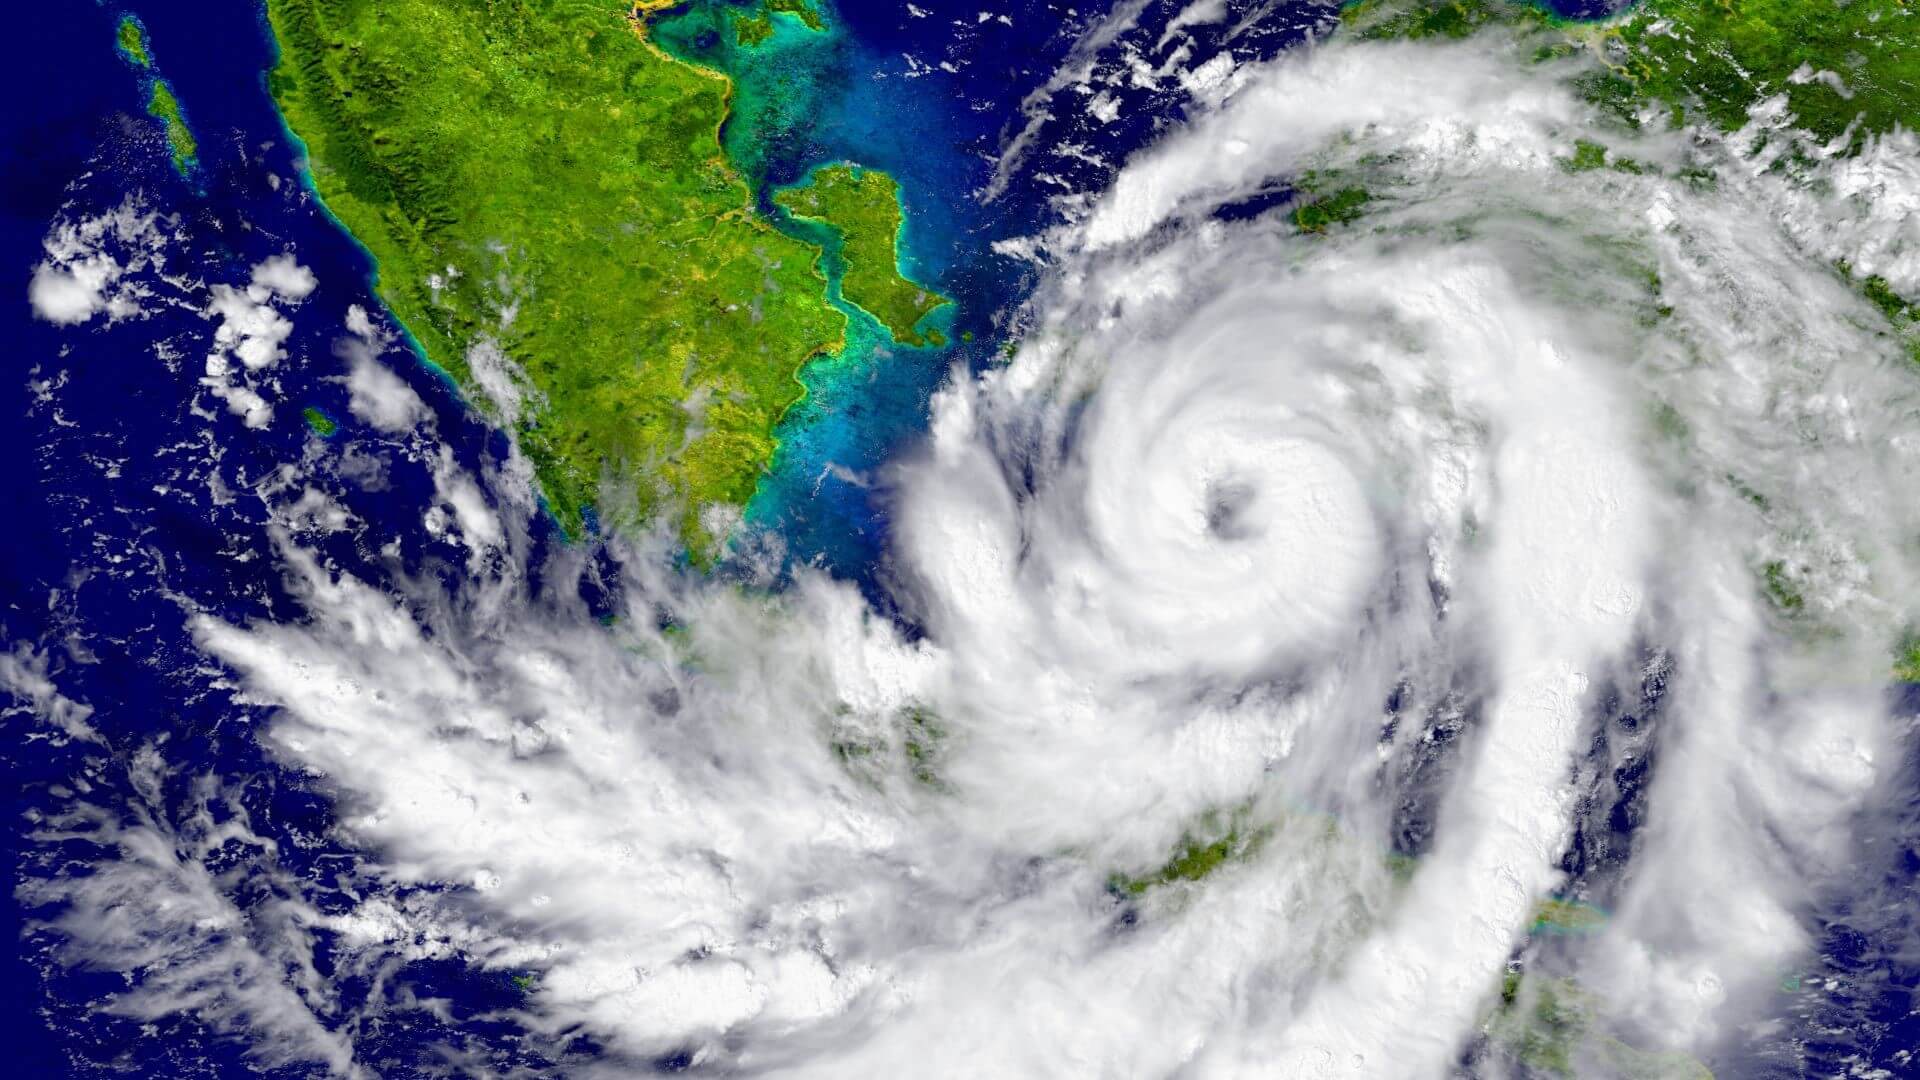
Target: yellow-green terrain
pixel 554 220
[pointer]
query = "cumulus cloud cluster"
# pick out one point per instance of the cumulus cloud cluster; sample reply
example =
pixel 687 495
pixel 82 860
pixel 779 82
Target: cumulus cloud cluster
pixel 116 264
pixel 1338 536
pixel 253 331
pixel 95 265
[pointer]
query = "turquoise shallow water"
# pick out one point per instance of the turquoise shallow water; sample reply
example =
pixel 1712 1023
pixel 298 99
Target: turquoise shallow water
pixel 805 98
pixel 124 532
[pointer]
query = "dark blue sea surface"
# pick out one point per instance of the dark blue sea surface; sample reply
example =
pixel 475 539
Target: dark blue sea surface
pixel 131 512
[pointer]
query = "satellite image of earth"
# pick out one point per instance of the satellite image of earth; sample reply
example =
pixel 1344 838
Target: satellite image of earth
pixel 866 538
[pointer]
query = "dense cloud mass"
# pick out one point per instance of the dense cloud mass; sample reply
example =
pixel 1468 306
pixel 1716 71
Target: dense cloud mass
pixel 1333 542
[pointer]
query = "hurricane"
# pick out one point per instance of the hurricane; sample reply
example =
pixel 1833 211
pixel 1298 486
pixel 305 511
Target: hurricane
pixel 1415 596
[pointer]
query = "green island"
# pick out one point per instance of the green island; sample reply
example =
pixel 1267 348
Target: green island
pixel 319 422
pixel 1216 840
pixel 131 39
pixel 861 207
pixel 552 217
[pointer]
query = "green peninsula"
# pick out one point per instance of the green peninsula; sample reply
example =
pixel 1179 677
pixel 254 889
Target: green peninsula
pixel 862 209
pixel 554 220
pixel 131 39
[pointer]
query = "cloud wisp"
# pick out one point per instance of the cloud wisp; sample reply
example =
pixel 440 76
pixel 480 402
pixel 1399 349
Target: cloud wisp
pixel 1261 521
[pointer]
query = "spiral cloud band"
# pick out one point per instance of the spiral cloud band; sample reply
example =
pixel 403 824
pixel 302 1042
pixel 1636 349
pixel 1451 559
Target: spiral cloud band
pixel 1285 613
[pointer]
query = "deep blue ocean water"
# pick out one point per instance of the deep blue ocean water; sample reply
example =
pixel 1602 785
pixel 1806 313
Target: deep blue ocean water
pixel 114 536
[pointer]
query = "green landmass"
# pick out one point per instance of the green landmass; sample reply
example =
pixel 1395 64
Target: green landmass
pixel 916 731
pixel 1588 156
pixel 1906 665
pixel 1849 69
pixel 1783 588
pixel 1557 916
pixel 319 423
pixel 132 38
pixel 861 207
pixel 755 26
pixel 1429 18
pixel 751 30
pixel 538 178
pixel 1214 841
pixel 801 9
pixel 924 740
pixel 1550 1027
pixel 1336 208
pixel 163 106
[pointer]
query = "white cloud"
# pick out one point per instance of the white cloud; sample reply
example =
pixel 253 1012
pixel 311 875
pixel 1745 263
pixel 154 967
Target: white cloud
pixel 375 394
pixel 93 263
pixel 156 912
pixel 284 275
pixel 71 294
pixel 1240 486
pixel 254 332
pixel 381 398
pixel 502 384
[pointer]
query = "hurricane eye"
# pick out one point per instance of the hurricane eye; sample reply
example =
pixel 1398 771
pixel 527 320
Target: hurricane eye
pixel 1228 506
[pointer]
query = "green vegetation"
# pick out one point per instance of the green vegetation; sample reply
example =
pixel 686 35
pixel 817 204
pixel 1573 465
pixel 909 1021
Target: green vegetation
pixel 539 177
pixel 801 9
pixel 924 741
pixel 1213 842
pixel 320 423
pixel 163 106
pixel 133 42
pixel 130 37
pixel 1588 156
pixel 751 30
pixel 921 742
pixel 1849 68
pixel 1555 916
pixel 1782 588
pixel 1549 1025
pixel 1906 667
pixel 1339 208
pixel 862 209
pixel 1428 18
pixel 754 27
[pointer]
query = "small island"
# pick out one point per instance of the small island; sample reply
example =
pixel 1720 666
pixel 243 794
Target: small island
pixel 162 104
pixel 861 207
